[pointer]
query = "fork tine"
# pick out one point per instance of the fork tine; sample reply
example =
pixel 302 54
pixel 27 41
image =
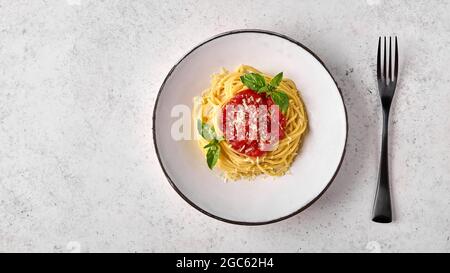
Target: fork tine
pixel 379 59
pixel 384 63
pixel 390 58
pixel 396 61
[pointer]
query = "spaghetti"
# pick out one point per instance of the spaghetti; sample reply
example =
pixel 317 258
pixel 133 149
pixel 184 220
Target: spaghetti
pixel 235 164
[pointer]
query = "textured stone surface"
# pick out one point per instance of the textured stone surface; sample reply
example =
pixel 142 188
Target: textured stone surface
pixel 78 81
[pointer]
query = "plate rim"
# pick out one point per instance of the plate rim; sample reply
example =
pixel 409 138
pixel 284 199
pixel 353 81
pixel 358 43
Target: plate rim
pixel 169 179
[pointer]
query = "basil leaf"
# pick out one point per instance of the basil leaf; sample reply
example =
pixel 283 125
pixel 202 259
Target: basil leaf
pixel 205 130
pixel 280 99
pixel 212 155
pixel 253 81
pixel 211 143
pixel 276 80
pixel 264 89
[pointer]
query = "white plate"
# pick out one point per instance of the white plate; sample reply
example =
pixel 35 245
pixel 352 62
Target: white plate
pixel 264 200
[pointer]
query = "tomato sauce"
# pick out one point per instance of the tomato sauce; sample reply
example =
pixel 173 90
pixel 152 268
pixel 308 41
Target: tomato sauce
pixel 249 132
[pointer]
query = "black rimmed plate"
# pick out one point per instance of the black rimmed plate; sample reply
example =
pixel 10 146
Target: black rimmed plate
pixel 263 200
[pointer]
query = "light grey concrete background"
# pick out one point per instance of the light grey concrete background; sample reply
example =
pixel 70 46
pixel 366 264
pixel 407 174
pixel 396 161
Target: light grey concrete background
pixel 78 81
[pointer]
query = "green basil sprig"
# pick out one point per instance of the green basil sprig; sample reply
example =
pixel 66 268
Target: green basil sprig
pixel 257 83
pixel 208 133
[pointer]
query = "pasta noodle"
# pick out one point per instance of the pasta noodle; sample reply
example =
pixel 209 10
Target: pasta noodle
pixel 224 86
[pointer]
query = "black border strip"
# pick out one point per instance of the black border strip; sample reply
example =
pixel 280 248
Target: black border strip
pixel 156 146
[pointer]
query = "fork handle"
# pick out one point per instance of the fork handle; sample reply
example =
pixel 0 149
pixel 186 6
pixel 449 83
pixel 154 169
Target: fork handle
pixel 382 212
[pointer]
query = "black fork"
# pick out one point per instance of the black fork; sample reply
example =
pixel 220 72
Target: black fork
pixel 387 81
